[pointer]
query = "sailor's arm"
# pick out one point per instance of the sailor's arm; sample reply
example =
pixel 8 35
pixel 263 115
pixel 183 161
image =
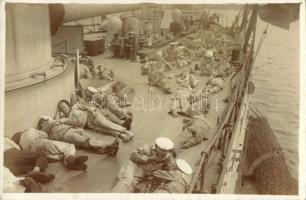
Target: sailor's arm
pixel 84 107
pixel 164 175
pixel 141 155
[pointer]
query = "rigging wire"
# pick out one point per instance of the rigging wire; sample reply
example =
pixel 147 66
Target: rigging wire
pixel 261 41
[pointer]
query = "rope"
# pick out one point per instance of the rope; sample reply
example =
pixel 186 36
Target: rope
pixel 202 163
pixel 262 39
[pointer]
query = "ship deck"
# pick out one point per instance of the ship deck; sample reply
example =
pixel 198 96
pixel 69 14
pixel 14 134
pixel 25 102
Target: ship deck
pixel 150 121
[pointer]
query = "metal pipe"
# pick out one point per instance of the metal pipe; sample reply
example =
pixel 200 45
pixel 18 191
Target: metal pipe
pixel 83 11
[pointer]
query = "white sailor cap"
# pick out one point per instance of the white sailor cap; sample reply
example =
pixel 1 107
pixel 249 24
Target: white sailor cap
pixel 183 166
pixel 152 62
pixel 92 89
pixel 83 59
pixel 209 54
pixel 164 143
pixel 64 55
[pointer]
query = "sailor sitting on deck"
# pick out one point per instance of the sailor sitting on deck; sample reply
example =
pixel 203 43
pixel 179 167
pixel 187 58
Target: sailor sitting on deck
pixel 146 67
pixel 30 164
pixel 206 64
pixel 37 141
pixel 84 70
pixel 170 53
pixel 130 46
pixel 193 133
pixel 174 181
pixel 86 60
pixel 116 45
pixel 77 136
pixel 92 98
pixel 82 116
pixel 145 160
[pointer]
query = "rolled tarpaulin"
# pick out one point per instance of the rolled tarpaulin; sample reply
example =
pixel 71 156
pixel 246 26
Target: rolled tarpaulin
pixel 265 162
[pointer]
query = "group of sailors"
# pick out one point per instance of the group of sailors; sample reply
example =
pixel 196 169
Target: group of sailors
pixel 174 70
pixel 151 168
pixel 124 47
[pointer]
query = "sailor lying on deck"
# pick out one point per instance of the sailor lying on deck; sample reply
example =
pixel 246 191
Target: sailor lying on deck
pixel 176 180
pixel 112 97
pixel 124 92
pixel 77 136
pixel 116 95
pixel 145 160
pixel 30 164
pixel 37 141
pixel 164 81
pixel 193 133
pixel 104 72
pixel 120 91
pixel 215 84
pixel 186 79
pixel 168 81
pixel 111 112
pixel 158 77
pixel 83 116
pixel 189 103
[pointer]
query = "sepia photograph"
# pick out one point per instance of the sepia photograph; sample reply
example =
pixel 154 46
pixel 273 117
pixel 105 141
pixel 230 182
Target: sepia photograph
pixel 147 97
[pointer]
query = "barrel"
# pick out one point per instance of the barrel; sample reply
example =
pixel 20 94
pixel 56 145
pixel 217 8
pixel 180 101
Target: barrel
pixel 95 46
